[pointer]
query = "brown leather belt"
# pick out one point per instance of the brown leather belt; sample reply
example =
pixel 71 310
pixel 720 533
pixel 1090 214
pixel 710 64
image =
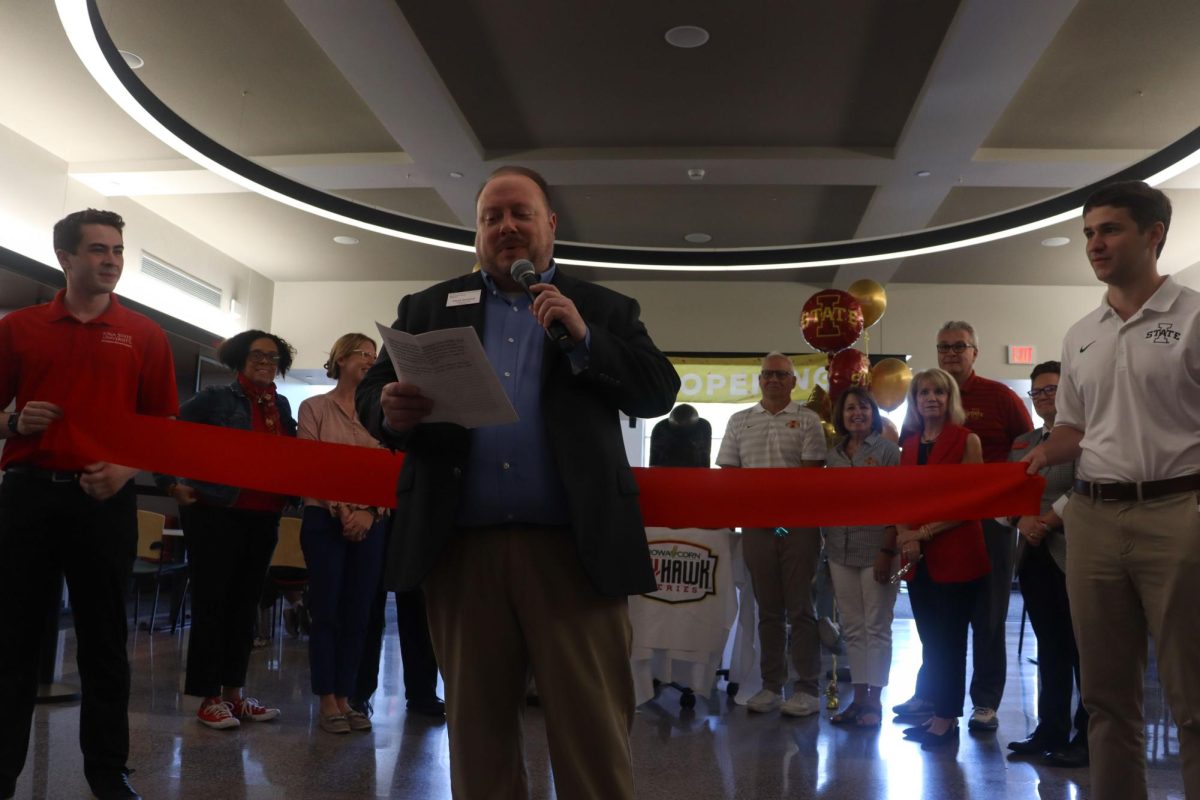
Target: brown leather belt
pixel 1147 490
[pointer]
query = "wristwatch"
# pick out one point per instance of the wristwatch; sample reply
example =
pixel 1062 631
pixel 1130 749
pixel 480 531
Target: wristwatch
pixel 13 419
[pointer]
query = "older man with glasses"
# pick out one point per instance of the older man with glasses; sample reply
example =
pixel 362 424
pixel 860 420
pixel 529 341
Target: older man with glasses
pixel 778 432
pixel 997 416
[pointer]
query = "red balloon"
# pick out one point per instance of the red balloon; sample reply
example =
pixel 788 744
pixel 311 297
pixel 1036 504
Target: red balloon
pixel 832 320
pixel 848 368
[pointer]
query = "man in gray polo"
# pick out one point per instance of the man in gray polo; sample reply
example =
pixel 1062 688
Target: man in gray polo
pixel 778 432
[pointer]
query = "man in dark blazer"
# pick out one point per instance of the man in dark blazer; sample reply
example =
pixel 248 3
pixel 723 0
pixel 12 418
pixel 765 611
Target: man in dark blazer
pixel 1042 568
pixel 527 538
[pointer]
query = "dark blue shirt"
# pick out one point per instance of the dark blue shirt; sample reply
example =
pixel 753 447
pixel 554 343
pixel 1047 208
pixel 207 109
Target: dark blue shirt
pixel 510 475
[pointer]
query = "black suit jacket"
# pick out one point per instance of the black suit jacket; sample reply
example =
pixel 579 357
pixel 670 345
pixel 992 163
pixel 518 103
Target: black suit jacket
pixel 625 371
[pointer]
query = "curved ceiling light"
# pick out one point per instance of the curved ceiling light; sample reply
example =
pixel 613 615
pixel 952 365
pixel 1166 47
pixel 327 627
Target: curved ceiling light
pixel 90 39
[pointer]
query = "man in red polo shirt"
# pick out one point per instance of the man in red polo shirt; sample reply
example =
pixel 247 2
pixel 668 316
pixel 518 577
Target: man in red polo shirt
pixel 997 416
pixel 61 512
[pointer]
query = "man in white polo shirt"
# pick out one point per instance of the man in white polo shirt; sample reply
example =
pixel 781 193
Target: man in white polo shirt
pixel 1129 409
pixel 778 432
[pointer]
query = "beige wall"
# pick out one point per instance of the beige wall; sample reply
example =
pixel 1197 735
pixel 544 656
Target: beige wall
pixel 738 317
pixel 36 191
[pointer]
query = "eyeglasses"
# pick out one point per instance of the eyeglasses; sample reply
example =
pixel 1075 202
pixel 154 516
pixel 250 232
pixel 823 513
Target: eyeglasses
pixel 1045 391
pixel 367 354
pixel 261 357
pixel 957 348
pixel 781 374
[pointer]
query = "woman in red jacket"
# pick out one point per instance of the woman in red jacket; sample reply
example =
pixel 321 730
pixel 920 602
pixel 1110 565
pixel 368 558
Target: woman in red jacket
pixel 950 556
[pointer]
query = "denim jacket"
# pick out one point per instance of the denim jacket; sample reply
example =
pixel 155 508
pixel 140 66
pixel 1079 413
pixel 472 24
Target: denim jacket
pixel 226 407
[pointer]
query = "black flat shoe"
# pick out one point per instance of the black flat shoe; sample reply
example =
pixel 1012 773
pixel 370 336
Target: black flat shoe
pixel 113 787
pixel 429 706
pixel 916 731
pixel 1034 744
pixel 1073 755
pixel 932 741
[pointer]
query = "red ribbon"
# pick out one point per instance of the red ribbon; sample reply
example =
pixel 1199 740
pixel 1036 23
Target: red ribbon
pixel 670 497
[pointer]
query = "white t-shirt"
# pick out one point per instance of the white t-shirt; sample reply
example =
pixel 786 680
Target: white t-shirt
pixel 757 438
pixel 1133 388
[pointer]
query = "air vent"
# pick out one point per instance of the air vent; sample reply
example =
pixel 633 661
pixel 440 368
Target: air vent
pixel 173 276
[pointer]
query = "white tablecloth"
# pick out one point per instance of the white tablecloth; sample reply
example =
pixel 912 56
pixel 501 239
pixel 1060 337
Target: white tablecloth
pixel 681 632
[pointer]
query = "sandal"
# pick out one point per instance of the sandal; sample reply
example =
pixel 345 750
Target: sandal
pixel 848 715
pixel 870 717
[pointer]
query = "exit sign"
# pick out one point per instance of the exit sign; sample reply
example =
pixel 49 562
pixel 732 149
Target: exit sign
pixel 1020 354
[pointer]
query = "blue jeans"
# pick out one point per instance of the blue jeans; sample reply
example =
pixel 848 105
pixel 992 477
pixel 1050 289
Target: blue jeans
pixel 343 577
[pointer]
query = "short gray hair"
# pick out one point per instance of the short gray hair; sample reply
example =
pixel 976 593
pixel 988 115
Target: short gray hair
pixel 776 354
pixel 965 327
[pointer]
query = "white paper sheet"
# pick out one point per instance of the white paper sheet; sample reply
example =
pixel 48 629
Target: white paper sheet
pixel 452 370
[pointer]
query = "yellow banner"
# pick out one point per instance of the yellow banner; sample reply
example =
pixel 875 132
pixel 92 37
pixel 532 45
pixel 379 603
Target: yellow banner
pixel 735 380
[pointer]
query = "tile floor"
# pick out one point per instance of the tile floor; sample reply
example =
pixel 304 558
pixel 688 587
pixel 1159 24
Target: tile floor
pixel 715 750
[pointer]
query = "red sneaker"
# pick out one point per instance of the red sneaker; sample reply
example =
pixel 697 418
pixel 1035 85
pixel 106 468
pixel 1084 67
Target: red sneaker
pixel 250 709
pixel 216 713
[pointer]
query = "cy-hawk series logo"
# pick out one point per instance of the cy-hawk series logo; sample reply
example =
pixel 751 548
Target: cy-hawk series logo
pixel 1165 333
pixel 685 571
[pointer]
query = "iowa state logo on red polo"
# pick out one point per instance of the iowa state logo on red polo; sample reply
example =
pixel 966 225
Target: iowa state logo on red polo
pixel 685 571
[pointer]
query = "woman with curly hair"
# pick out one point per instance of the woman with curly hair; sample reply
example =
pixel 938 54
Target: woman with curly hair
pixel 230 533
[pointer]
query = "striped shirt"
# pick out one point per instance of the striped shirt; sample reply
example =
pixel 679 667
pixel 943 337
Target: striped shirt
pixel 856 546
pixel 757 438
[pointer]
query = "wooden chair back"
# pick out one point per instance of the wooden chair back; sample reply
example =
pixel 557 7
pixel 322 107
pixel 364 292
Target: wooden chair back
pixel 287 551
pixel 150 535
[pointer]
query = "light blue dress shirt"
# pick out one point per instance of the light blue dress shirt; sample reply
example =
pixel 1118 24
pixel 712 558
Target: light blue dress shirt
pixel 510 476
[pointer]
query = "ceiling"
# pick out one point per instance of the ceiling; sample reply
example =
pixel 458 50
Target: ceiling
pixel 810 121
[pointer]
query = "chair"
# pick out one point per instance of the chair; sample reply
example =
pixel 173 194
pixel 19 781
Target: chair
pixel 150 563
pixel 288 570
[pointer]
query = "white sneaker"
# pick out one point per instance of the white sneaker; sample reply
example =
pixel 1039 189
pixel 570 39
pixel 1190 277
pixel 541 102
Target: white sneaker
pixel 801 705
pixel 764 701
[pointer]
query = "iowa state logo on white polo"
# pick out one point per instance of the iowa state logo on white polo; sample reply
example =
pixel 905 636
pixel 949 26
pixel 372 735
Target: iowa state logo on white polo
pixel 685 571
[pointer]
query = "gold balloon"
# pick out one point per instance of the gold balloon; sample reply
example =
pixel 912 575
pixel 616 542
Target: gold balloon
pixel 889 383
pixel 820 403
pixel 831 433
pixel 873 299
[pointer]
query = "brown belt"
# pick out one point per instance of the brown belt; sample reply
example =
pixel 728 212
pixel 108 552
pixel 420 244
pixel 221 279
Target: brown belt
pixel 1147 490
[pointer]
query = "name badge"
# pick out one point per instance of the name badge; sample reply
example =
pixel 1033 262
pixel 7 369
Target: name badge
pixel 463 298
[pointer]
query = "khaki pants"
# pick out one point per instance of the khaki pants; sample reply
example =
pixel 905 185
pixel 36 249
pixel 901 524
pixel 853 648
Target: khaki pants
pixel 781 571
pixel 502 602
pixel 1133 569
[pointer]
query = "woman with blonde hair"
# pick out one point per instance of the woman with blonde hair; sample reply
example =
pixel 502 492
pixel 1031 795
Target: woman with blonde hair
pixel 343 545
pixel 948 558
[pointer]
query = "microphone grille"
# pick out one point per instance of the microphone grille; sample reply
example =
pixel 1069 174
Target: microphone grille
pixel 520 268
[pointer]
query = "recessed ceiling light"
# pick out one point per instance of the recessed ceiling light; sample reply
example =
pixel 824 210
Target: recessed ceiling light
pixel 686 36
pixel 456 174
pixel 132 59
pixel 1055 241
pixel 698 238
pixel 345 240
pixel 696 174
pixel 923 173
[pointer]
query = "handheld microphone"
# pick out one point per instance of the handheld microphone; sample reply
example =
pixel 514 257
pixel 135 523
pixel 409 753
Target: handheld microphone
pixel 522 272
